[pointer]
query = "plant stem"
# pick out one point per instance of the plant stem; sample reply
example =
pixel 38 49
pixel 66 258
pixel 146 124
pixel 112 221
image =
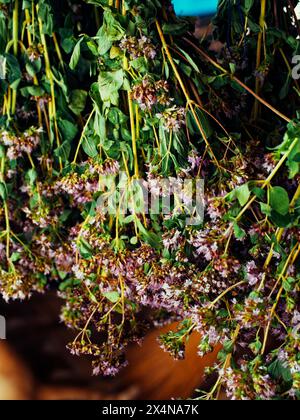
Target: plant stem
pixel 52 105
pixel 82 136
pixel 239 82
pixel 133 136
pixel 279 233
pixel 16 27
pixel 226 364
pixel 132 115
pixel 57 49
pixel 123 8
pixel 225 293
pixel 182 85
pixel 28 22
pixel 267 330
pixel 6 213
pixel 97 16
pixel 35 79
pixel 269 179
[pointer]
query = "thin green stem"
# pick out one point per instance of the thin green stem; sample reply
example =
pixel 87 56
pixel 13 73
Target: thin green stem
pixel 270 177
pixel 15 49
pixel 185 92
pixel 133 136
pixel 82 136
pixel 258 53
pixel 239 82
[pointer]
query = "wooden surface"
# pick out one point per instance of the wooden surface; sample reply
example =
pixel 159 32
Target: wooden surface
pixel 16 381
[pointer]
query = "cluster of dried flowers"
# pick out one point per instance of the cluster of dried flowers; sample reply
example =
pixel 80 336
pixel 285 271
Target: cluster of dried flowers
pixel 144 98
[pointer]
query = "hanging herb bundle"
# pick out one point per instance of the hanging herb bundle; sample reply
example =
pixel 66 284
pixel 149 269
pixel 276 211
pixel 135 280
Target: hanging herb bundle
pixel 98 88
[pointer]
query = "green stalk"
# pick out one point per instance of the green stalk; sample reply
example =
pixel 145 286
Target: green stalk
pixel 15 49
pixel 58 51
pixel 238 81
pixel 278 236
pixel 6 214
pixel 97 16
pixel 133 136
pixel 131 114
pixel 82 136
pixel 270 177
pixel 35 79
pixel 16 26
pixel 185 92
pixel 293 256
pixel 52 105
pixel 258 54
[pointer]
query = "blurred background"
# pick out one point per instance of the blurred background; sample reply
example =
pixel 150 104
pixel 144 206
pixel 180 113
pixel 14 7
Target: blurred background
pixel 35 364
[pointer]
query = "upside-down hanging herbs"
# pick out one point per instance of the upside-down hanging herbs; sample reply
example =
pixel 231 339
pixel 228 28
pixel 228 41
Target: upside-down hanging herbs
pixel 142 98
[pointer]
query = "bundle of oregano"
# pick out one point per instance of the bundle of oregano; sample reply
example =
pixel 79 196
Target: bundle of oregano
pixel 108 103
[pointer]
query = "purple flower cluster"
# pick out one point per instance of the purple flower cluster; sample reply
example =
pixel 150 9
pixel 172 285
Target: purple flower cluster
pixel 17 146
pixel 173 118
pixel 138 47
pixel 149 93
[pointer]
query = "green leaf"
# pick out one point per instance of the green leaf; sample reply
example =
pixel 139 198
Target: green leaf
pixel 63 151
pixel 175 28
pixel 232 67
pixel 62 275
pixel 109 85
pixel 85 249
pixel 202 119
pixel 239 233
pixel 100 126
pixel 31 176
pixel 75 55
pixel 68 284
pixel 139 64
pixel 34 67
pixel 281 220
pixel 78 101
pixel 134 240
pixel 259 192
pixel 265 209
pixel 2 151
pixel 248 4
pixel 68 130
pixel 113 297
pixel 150 238
pixel 288 284
pixel 110 31
pixel 243 194
pixel 33 91
pixel 278 371
pixel 89 145
pixel 190 60
pixel 228 346
pixel 46 17
pixel 3 191
pixel 15 256
pixel 256 346
pixel 11 70
pixel 116 116
pixel 104 43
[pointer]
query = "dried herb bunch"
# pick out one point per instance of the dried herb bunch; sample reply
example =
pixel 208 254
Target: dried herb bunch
pixel 91 89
